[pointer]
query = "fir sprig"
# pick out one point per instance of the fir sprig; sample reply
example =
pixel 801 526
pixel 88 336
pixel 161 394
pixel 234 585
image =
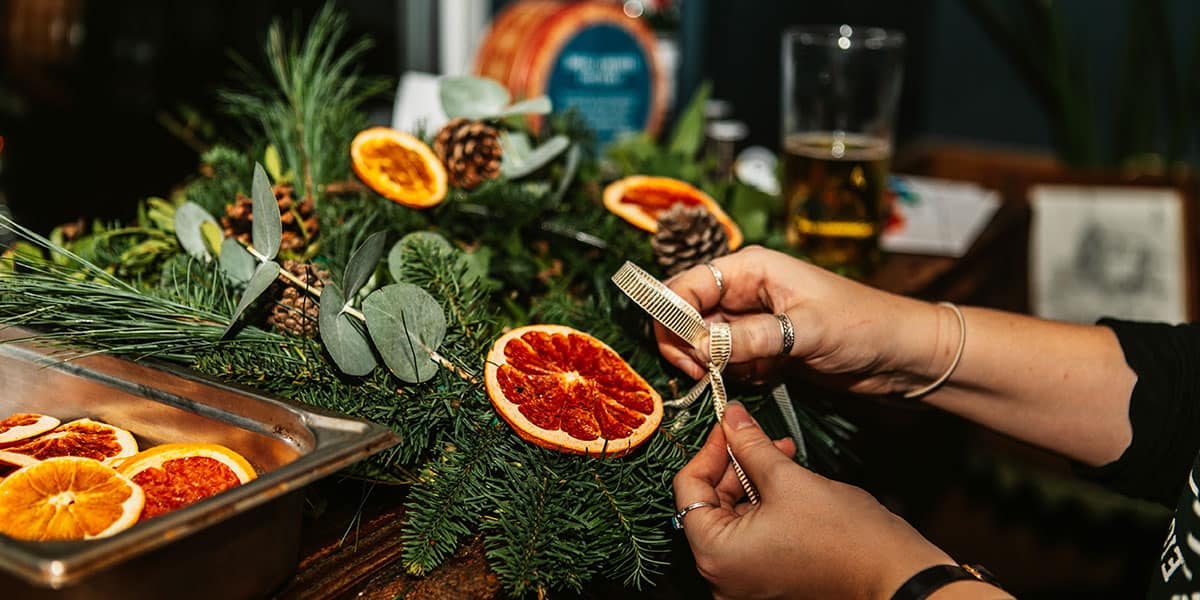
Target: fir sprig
pixel 308 105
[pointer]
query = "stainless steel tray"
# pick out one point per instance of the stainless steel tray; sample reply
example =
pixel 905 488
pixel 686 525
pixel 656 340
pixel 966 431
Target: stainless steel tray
pixel 242 543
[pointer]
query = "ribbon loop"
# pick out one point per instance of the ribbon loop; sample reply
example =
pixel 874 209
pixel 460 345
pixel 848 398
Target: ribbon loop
pixel 681 318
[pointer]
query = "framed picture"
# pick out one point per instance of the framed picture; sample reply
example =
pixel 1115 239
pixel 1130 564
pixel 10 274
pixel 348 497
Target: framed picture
pixel 1111 251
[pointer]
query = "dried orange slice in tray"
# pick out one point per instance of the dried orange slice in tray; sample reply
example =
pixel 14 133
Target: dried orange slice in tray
pixel 563 389
pixel 68 498
pixel 81 437
pixel 175 475
pixel 25 425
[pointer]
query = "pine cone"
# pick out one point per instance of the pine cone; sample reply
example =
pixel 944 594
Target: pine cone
pixel 296 311
pixel 688 236
pixel 299 219
pixel 470 150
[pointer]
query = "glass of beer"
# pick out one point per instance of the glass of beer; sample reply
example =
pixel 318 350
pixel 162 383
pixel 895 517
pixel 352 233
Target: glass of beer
pixel 841 85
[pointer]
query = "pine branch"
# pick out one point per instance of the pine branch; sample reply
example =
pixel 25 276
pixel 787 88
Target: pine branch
pixel 309 104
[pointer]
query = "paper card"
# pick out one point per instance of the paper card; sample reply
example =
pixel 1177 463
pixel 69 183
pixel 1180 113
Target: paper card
pixel 418 105
pixel 937 216
pixel 1108 251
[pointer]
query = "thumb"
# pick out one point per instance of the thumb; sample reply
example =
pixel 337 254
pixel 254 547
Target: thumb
pixel 758 455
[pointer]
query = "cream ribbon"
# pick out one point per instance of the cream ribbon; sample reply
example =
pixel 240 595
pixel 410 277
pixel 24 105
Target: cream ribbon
pixel 682 318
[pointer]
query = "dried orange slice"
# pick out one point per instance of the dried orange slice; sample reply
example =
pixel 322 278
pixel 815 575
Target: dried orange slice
pixel 399 167
pixel 81 437
pixel 68 498
pixel 565 390
pixel 176 475
pixel 25 425
pixel 640 199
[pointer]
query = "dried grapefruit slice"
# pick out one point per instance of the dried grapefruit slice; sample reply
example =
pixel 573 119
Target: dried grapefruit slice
pixel 68 498
pixel 25 425
pixel 399 167
pixel 175 475
pixel 81 437
pixel 565 390
pixel 640 198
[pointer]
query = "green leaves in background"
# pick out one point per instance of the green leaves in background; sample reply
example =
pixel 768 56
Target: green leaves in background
pixel 407 326
pixel 521 159
pixel 688 135
pixel 343 338
pixel 484 99
pixel 189 218
pixel 262 279
pixel 236 262
pixel 402 249
pixel 267 232
pixel 363 262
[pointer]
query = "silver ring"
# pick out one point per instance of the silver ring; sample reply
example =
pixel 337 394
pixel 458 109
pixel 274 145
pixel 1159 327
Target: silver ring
pixel 720 279
pixel 677 518
pixel 789 334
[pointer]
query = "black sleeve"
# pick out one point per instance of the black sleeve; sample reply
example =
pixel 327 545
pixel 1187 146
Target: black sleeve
pixel 1164 410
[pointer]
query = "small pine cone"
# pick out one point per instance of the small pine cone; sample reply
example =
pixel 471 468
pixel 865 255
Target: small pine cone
pixel 688 236
pixel 299 219
pixel 296 311
pixel 470 150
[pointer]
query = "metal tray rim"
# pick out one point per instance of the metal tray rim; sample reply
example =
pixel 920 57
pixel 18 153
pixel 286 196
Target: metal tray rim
pixel 341 440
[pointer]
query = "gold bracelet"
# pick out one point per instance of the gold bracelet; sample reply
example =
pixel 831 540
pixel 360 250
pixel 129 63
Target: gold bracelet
pixel 962 342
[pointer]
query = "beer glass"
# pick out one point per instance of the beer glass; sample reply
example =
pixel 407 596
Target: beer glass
pixel 841 85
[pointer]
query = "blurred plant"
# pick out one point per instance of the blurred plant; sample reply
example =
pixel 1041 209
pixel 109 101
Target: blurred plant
pixel 1154 116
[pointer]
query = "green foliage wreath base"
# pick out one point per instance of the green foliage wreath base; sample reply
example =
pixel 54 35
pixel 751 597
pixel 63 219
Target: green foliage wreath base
pixel 539 249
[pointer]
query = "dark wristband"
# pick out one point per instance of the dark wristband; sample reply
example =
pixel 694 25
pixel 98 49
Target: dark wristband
pixel 928 581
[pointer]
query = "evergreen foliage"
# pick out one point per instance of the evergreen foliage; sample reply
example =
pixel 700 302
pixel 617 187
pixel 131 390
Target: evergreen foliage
pixel 536 250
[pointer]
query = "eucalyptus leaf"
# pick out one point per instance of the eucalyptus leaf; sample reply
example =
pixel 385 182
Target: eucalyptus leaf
pixel 273 163
pixel 262 279
pixel 213 237
pixel 188 219
pixel 570 169
pixel 533 106
pixel 478 265
pixel 407 325
pixel 515 167
pixel 363 262
pixel 236 262
pixel 345 340
pixel 267 231
pixel 401 249
pixel 472 97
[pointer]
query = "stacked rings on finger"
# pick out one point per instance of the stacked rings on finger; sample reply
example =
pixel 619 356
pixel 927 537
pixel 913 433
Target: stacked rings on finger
pixel 789 334
pixel 677 518
pixel 719 278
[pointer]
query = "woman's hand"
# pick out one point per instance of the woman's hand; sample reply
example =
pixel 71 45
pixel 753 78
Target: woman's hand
pixel 808 537
pixel 851 335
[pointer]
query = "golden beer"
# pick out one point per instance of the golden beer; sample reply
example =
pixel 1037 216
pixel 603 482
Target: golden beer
pixel 834 197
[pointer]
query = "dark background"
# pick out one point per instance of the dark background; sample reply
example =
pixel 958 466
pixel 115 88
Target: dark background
pixel 90 131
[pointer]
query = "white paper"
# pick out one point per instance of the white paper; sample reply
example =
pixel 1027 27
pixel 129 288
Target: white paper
pixel 418 104
pixel 1108 251
pixel 939 217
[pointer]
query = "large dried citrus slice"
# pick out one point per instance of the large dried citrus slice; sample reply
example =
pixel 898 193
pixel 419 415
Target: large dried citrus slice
pixel 563 389
pixel 399 167
pixel 68 498
pixel 640 199
pixel 81 437
pixel 176 475
pixel 25 425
